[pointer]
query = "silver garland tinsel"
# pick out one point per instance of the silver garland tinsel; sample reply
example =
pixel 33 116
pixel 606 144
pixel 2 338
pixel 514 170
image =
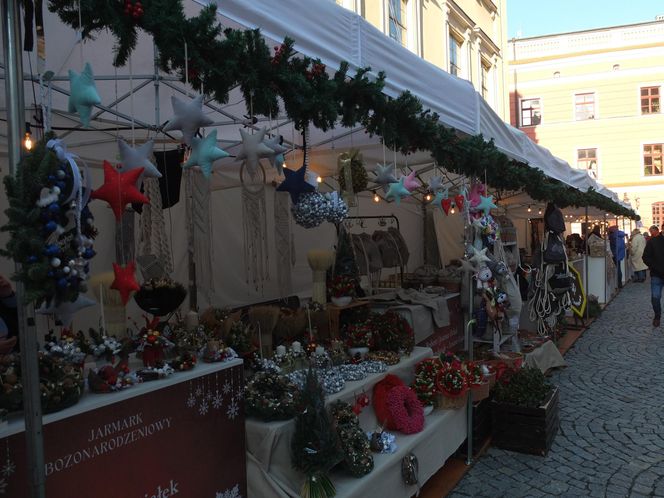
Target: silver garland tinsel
pixel 352 372
pixel 374 366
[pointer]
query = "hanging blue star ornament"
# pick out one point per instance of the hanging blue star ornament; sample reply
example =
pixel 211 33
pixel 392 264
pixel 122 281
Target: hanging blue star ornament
pixel 384 175
pixel 83 94
pixel 276 158
pixel 439 197
pixel 138 157
pixel 295 183
pixel 189 117
pixel 205 152
pixel 486 204
pixel 397 191
pixel 436 184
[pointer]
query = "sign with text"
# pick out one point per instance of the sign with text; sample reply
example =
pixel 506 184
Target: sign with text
pixel 186 440
pixel 577 292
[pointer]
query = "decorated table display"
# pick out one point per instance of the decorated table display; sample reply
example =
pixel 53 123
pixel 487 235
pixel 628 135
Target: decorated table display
pixel 342 290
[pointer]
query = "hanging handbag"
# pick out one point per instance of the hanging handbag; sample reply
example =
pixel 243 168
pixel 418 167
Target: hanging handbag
pixel 554 249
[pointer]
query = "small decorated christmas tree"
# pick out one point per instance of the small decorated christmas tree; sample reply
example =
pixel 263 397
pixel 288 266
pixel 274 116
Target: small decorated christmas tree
pixel 315 446
pixel 345 264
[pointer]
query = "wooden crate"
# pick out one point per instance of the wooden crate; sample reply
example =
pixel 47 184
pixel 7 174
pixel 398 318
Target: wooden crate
pixel 526 430
pixel 481 428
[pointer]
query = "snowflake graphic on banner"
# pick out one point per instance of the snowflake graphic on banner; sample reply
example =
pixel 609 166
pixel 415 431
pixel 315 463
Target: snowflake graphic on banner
pixel 230 493
pixel 203 408
pixel 9 468
pixel 199 391
pixel 3 486
pixel 233 410
pixel 217 400
pixel 240 393
pixel 191 401
pixel 227 387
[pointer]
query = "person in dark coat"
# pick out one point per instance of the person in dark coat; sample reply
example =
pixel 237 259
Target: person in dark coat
pixel 617 243
pixel 653 257
pixel 8 311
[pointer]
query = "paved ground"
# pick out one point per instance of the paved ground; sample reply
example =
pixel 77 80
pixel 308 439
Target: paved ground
pixel 611 438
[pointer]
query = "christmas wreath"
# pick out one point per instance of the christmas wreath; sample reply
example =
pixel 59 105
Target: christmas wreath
pixel 358 173
pixel 393 332
pixel 271 396
pixel 51 228
pixel 352 439
pixel 424 383
pixel 399 410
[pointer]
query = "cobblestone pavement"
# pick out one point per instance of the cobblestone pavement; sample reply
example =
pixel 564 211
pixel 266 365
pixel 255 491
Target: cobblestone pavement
pixel 611 437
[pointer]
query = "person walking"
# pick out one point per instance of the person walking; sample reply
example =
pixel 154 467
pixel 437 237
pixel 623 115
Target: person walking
pixel 636 246
pixel 653 257
pixel 617 243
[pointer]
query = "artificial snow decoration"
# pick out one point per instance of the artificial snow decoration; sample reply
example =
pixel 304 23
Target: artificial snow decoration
pixel 397 191
pixel 138 157
pixel 83 93
pixel 189 117
pixel 253 149
pixel 384 175
pixel 125 280
pixel 204 153
pixel 119 189
pixel 295 183
pixel 276 158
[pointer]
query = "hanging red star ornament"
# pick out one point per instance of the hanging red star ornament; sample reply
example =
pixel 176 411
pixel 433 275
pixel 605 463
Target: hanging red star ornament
pixel 446 204
pixel 125 281
pixel 459 199
pixel 119 189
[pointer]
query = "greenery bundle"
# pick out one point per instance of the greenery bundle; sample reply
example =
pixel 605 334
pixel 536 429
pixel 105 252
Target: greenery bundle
pixel 525 387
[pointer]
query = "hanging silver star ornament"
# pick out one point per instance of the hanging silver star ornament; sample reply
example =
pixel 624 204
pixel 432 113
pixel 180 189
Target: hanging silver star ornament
pixel 132 158
pixel 479 257
pixel 253 149
pixel 189 117
pixel 276 158
pixel 436 184
pixel 384 175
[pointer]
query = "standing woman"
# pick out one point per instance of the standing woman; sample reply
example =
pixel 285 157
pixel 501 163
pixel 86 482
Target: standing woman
pixel 636 245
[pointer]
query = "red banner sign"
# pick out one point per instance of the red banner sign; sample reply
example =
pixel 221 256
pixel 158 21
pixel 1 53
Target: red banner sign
pixel 185 440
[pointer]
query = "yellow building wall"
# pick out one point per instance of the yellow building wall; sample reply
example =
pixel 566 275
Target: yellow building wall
pixel 619 130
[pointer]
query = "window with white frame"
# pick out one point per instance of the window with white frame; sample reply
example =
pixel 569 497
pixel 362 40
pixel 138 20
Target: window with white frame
pixel 397 21
pixel 485 82
pixel 531 112
pixel 650 100
pixel 586 159
pixel 455 52
pixel 652 159
pixel 584 106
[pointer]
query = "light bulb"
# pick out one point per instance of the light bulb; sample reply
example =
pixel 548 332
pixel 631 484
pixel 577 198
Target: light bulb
pixel 319 179
pixel 428 197
pixel 376 198
pixel 529 209
pixel 27 141
pixel 285 165
pixel 539 212
pixel 452 211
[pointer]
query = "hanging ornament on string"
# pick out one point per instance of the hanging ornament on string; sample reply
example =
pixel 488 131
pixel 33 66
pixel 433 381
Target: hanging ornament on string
pixel 474 198
pixel 125 280
pixel 410 182
pixel 295 183
pixel 253 149
pixel 189 117
pixel 460 200
pixel 119 189
pixel 436 184
pixel 486 204
pixel 384 175
pixel 83 94
pixel 204 153
pixel 137 157
pixel 397 191
pixel 446 204
pixel 311 210
pixel 276 157
pixel 338 209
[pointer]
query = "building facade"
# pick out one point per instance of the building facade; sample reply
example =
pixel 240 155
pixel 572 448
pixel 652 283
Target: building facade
pixel 594 99
pixel 467 38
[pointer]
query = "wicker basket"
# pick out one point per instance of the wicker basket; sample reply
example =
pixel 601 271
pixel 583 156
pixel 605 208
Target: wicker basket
pixel 480 391
pixel 452 403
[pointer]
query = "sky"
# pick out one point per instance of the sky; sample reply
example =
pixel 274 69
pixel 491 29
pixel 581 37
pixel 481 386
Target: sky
pixel 526 18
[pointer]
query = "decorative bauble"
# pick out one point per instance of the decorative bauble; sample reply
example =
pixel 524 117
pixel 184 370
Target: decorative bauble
pixel 311 210
pixel 359 175
pixel 338 209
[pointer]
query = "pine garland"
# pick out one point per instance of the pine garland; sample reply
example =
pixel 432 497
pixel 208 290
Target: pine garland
pixel 309 95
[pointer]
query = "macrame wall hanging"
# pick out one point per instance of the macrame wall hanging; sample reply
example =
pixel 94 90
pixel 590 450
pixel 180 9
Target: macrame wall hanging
pixel 199 194
pixel 283 242
pixel 153 239
pixel 254 222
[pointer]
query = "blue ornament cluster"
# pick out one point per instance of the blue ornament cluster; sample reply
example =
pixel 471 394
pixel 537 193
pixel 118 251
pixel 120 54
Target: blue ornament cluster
pixel 314 208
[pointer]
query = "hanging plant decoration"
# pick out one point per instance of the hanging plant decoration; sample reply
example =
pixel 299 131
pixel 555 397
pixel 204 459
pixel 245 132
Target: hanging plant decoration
pixel 358 175
pixel 51 228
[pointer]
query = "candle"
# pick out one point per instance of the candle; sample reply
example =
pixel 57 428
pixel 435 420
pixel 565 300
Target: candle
pixel 311 333
pixel 281 350
pixel 296 347
pixel 320 350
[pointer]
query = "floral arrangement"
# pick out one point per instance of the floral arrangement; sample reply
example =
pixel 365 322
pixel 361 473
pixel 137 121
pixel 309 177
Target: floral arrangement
pixel 155 372
pixel 387 357
pixel 11 394
pixel 240 338
pixel 354 443
pixel 109 378
pixel 341 285
pixel 107 347
pixel 67 347
pixel 215 322
pixel 359 335
pixel 424 384
pixel 221 353
pixel 151 343
pixel 452 382
pixel 184 361
pixel 60 383
pixel 474 373
pixel 392 332
pixel 271 396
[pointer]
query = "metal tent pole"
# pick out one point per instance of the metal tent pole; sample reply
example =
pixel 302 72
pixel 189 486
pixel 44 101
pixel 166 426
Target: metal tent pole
pixel 11 40
pixel 587 262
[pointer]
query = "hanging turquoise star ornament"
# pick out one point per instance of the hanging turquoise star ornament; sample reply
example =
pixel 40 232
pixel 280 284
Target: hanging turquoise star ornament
pixel 486 204
pixel 295 183
pixel 276 158
pixel 83 94
pixel 438 198
pixel 436 184
pixel 397 191
pixel 253 149
pixel 384 175
pixel 205 152
pixel 132 158
pixel 189 117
